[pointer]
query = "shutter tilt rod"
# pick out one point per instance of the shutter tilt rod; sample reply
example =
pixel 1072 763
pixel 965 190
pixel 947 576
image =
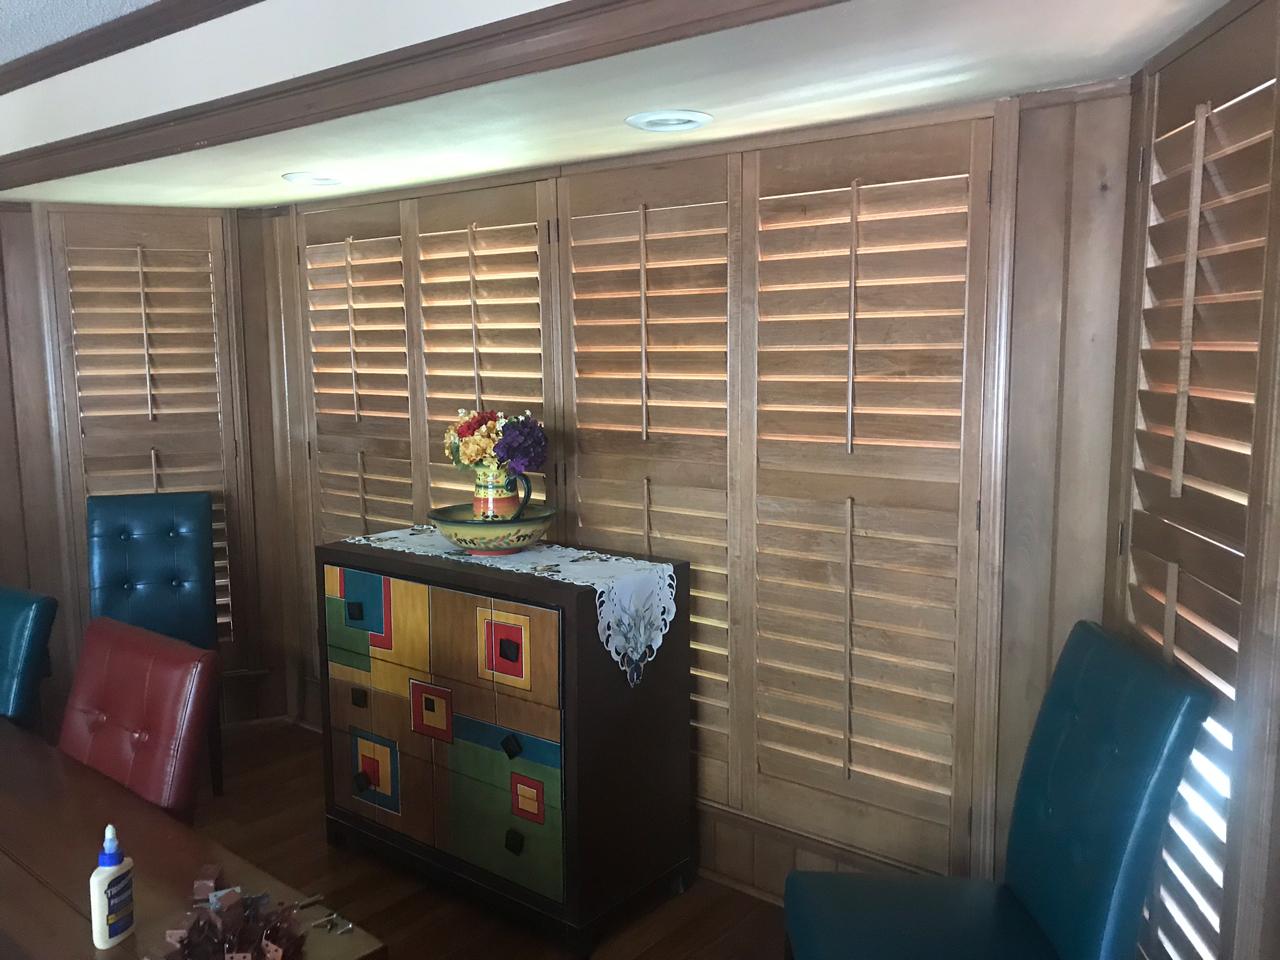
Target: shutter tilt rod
pixel 155 471
pixel 351 333
pixel 1171 570
pixel 644 323
pixel 648 529
pixel 475 320
pixel 1190 265
pixel 146 336
pixel 853 313
pixel 848 651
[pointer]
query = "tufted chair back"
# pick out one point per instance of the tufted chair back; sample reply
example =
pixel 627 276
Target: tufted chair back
pixel 151 563
pixel 139 710
pixel 25 622
pixel 1108 751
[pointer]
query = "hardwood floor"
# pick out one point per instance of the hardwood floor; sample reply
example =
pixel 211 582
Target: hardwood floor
pixel 272 813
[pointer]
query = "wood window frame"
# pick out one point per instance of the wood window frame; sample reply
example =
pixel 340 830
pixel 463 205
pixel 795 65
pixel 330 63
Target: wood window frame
pixel 64 418
pixel 1250 923
pixel 973 836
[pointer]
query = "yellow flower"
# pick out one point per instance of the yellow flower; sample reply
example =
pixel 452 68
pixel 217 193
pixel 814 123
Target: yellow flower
pixel 478 446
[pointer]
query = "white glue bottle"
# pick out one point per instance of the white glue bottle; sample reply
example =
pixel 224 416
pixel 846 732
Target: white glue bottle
pixel 111 894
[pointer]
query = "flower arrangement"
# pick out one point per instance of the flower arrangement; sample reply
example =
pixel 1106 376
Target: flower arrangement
pixel 487 438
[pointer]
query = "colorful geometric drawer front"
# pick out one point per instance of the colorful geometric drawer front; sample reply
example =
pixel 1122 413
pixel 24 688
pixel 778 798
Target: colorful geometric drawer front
pixel 408 751
pixel 368 616
pixel 475 823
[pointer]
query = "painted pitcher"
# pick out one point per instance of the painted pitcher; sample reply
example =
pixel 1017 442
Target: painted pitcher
pixel 495 496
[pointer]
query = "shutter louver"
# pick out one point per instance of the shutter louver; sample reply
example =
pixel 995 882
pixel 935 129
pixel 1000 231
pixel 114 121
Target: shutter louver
pixel 480 262
pixel 648 302
pixel 143 303
pixel 1206 245
pixel 863 302
pixel 362 460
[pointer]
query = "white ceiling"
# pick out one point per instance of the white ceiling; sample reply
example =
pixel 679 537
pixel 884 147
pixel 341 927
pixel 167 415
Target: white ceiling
pixel 30 25
pixel 855 59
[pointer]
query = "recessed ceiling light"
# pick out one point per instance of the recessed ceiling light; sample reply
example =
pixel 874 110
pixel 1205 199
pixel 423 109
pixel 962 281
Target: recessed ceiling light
pixel 669 121
pixel 309 179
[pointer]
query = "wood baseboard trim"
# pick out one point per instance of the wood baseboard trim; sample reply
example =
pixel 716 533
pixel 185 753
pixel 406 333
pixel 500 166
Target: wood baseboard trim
pixel 158 19
pixel 556 36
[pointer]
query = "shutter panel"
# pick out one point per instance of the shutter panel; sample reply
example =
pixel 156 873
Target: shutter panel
pixel 1207 240
pixel 142 308
pixel 354 300
pixel 861 438
pixel 646 293
pixel 481 261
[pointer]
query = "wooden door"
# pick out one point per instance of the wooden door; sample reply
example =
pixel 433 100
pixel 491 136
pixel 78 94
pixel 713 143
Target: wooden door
pixel 147 371
pixel 1186 448
pixel 645 256
pixel 485 261
pixel 359 407
pixel 865 264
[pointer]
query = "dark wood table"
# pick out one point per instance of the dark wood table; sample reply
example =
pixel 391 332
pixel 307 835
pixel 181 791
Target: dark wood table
pixel 52 813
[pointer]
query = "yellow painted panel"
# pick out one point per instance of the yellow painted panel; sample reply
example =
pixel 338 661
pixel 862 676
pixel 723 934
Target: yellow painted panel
pixel 332 581
pixel 392 678
pixel 410 626
pixel 340 671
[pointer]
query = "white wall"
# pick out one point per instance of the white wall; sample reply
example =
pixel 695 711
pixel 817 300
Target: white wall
pixel 259 45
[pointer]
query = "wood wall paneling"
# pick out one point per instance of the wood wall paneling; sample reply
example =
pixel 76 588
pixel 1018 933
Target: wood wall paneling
pixel 1069 230
pixel 39 453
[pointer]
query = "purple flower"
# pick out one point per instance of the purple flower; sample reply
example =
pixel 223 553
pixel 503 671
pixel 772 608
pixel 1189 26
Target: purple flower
pixel 522 446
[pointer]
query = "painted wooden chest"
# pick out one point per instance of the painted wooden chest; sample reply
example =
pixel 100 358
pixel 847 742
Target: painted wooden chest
pixel 477 727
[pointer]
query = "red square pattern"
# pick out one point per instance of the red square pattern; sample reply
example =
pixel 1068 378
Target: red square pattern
pixel 495 632
pixel 431 710
pixel 539 813
pixel 371 768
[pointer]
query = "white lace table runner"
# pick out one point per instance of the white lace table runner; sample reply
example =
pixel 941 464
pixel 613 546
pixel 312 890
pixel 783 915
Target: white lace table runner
pixel 635 599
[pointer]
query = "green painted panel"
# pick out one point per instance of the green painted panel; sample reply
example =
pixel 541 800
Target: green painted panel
pixel 479 816
pixel 349 659
pixel 493 767
pixel 338 634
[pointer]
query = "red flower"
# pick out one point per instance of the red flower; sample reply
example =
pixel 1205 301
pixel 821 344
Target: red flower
pixel 475 422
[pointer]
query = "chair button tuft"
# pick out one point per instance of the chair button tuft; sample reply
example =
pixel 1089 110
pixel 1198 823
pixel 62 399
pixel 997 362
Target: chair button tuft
pixel 124 536
pixel 140 736
pixel 177 583
pixel 173 533
pixel 126 586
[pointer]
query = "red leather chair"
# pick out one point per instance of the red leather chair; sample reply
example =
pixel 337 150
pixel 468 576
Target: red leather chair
pixel 139 710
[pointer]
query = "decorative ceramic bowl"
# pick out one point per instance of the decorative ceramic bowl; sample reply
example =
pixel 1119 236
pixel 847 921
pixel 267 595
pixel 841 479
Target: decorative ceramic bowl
pixel 492 538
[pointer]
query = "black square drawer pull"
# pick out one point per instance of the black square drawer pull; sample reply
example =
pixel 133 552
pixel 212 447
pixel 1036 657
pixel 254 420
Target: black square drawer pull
pixel 511 746
pixel 515 841
pixel 509 650
pixel 359 697
pixel 355 610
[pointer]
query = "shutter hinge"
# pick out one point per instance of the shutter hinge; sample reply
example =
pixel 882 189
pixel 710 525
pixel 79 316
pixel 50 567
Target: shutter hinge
pixel 978 523
pixel 1120 540
pixel 308 449
pixel 991 176
pixel 970 821
pixel 1142 161
pixel 298 252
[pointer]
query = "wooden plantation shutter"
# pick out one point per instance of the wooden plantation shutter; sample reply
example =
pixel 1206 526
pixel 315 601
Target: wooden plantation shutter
pixel 361 455
pixel 146 365
pixel 645 272
pixel 866 384
pixel 482 258
pixel 1206 243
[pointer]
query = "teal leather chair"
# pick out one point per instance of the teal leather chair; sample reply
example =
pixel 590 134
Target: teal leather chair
pixel 1106 756
pixel 25 622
